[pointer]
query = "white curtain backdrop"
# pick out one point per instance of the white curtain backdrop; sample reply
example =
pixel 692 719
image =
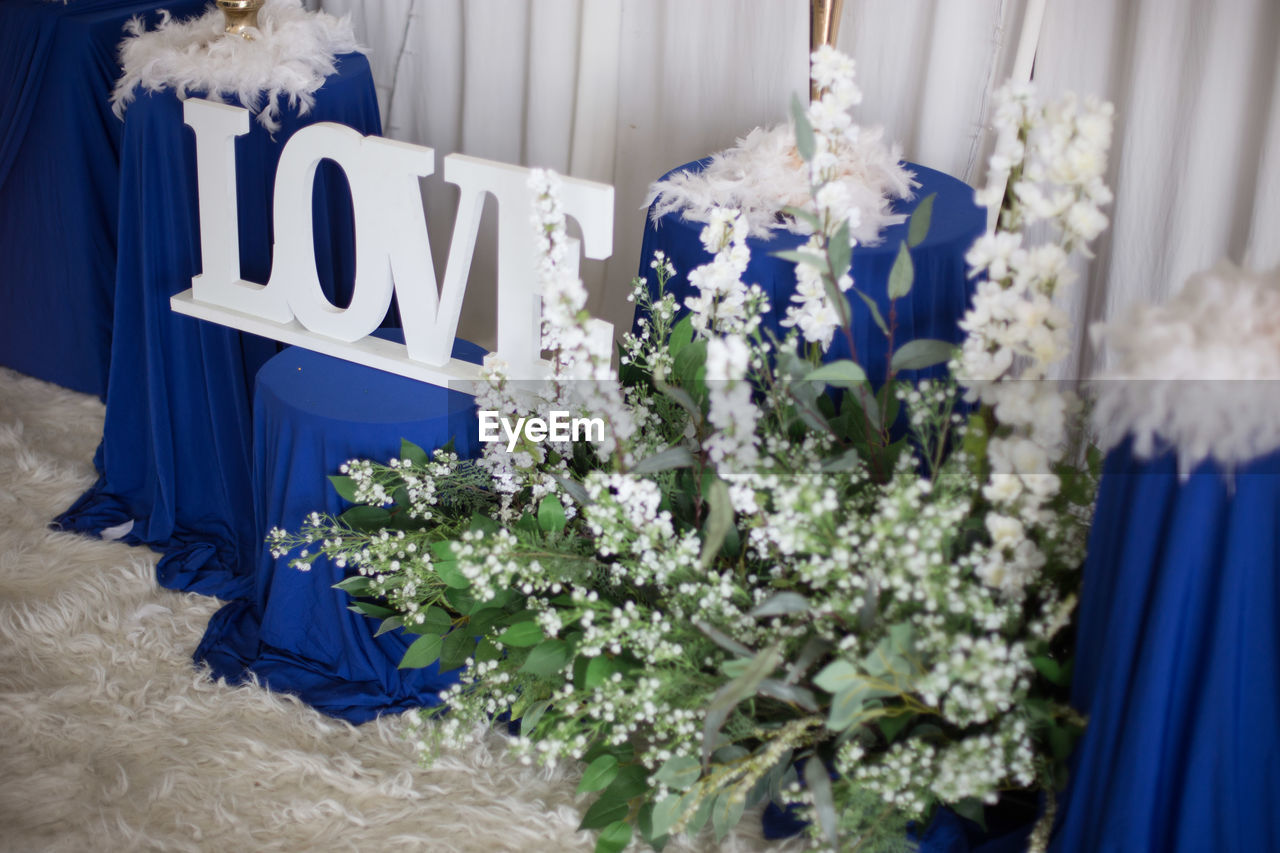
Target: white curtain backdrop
pixel 622 90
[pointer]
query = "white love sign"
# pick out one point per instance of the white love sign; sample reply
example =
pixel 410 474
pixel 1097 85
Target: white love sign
pixel 393 252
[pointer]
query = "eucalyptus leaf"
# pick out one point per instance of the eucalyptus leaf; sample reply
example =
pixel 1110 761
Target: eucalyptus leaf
pixel 844 373
pixel 802 215
pixel 789 693
pixel 666 812
pixel 574 489
pixel 780 604
pixel 802 256
pixel 848 460
pixel 723 640
pixel 598 774
pixel 922 353
pixel 805 142
pixel 840 249
pixel 902 275
pixel 719 520
pixel 531 716
pixel 680 772
pixel 837 676
pixel 875 311
pixel 918 228
pixel 819 783
pixel 729 695
pixel 676 456
pixel 423 651
pixel 726 812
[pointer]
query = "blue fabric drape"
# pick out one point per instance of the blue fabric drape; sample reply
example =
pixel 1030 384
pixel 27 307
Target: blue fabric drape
pixel 294 631
pixel 1178 662
pixel 59 182
pixel 175 455
pixel 938 299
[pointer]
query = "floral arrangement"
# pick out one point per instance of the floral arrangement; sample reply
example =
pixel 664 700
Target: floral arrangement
pixel 775 578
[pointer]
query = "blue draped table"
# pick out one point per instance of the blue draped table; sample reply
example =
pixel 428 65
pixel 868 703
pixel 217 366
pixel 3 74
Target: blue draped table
pixel 1178 662
pixel 938 299
pixel 175 455
pixel 294 631
pixel 59 183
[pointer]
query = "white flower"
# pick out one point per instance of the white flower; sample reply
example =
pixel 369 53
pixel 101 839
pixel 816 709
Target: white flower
pixel 727 358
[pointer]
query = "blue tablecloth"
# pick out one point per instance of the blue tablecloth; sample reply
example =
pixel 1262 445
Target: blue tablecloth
pixel 1178 662
pixel 59 181
pixel 175 454
pixel 936 302
pixel 311 414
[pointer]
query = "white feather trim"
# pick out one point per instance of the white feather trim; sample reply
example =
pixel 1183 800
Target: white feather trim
pixel 1201 373
pixel 288 59
pixel 762 174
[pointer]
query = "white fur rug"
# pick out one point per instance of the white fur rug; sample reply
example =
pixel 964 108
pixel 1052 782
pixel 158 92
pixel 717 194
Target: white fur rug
pixel 110 740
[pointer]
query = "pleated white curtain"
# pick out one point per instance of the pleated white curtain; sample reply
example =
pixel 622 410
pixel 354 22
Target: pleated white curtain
pixel 623 90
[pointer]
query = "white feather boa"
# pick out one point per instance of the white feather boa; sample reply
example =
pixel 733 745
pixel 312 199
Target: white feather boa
pixel 762 174
pixel 289 58
pixel 1200 374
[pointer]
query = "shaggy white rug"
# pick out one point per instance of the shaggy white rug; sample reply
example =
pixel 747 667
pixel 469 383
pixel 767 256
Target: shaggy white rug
pixel 110 739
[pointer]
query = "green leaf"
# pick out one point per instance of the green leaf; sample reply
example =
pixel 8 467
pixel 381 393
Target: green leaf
pixel 551 514
pixel 840 249
pixel 815 776
pixel 373 611
pixel 356 586
pixel 680 772
pixel 972 809
pixel 805 142
pixel 547 658
pixel 666 812
pixel 690 360
pixel 614 838
pixel 780 604
pixel 875 311
pixel 843 373
pixel 522 635
pixel 719 520
pixel 389 624
pixel 837 676
pixel 903 274
pixel 344 486
pixel 414 453
pixel 529 719
pixel 922 353
pixel 918 228
pixel 1058 673
pixel 603 812
pixel 849 460
pixel 434 621
pixel 723 640
pixel 728 696
pixel 451 575
pixel 368 519
pixel 681 335
pixel 632 781
pixel 458 646
pixel 676 456
pixel 803 215
pixel 891 727
pixel 848 704
pixel 726 813
pixel 789 693
pixel 574 489
pixel 598 774
pixel 802 256
pixel 487 651
pixel 598 671
pixel 424 651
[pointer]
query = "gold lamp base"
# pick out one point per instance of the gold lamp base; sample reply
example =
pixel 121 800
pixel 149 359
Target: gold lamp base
pixel 824 26
pixel 241 16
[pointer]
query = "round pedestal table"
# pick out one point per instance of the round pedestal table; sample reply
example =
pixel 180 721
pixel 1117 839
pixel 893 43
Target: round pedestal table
pixel 294 631
pixel 938 299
